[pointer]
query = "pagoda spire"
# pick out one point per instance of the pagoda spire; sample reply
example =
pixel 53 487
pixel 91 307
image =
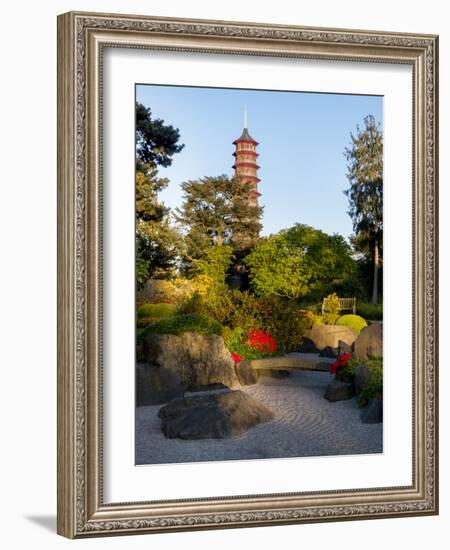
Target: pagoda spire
pixel 246 190
pixel 245 166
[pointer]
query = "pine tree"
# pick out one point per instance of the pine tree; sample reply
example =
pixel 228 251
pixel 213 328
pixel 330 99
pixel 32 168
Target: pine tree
pixel 157 241
pixel 206 213
pixel 245 219
pixel 156 142
pixel 365 174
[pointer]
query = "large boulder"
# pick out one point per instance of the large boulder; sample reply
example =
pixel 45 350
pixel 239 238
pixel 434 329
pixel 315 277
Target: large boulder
pixel 369 342
pixel 320 337
pixel 199 360
pixel 339 391
pixel 344 348
pixel 246 373
pixel 155 385
pixel 362 378
pixel 215 415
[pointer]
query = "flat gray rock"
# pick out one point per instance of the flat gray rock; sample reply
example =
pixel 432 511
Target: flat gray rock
pixel 216 416
pixel 339 391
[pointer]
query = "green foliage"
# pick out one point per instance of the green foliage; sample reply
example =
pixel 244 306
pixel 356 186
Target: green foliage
pixel 235 341
pixel 287 323
pixel 156 142
pixel 149 313
pixel 142 268
pixel 276 269
pixel 301 262
pixel 354 322
pixel 205 214
pixel 375 386
pixel 283 319
pixel 245 218
pixel 373 312
pixel 328 265
pixel 155 310
pixel 318 320
pixel 157 241
pixel 215 211
pixel 331 304
pixel 365 175
pixel 177 324
pixel 215 263
pixel 325 319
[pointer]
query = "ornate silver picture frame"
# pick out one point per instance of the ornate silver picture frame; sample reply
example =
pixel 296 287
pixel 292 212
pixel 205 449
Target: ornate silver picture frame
pixel 82 40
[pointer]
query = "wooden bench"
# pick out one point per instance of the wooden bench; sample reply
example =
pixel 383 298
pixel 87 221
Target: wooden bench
pixel 345 304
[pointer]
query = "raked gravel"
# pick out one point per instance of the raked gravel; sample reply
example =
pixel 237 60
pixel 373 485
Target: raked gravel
pixel 305 424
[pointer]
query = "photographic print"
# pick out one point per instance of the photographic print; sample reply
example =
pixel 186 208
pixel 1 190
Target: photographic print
pixel 247 282
pixel 259 274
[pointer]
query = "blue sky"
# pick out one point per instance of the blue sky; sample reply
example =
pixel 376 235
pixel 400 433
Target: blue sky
pixel 302 139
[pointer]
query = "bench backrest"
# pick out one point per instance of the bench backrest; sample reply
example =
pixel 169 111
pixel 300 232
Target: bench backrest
pixel 345 304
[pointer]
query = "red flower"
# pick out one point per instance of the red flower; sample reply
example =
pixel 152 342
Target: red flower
pixel 262 341
pixel 236 357
pixel 340 363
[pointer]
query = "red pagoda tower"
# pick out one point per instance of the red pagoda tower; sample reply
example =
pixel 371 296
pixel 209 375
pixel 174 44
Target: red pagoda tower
pixel 247 223
pixel 245 166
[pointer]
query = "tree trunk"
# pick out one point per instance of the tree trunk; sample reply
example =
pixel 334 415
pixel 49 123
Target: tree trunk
pixel 219 239
pixel 376 266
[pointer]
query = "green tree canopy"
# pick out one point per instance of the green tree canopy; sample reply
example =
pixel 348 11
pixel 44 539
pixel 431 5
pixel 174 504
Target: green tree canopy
pixel 276 268
pixel 216 212
pixel 327 260
pixel 156 142
pixel 205 213
pixel 245 217
pixel 157 241
pixel 301 262
pixel 215 264
pixel 365 175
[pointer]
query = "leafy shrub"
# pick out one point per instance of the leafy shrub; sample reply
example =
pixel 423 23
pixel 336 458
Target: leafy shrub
pixel 354 322
pixel 285 321
pixel 177 324
pixel 215 263
pixel 156 311
pixel 339 366
pixel 375 386
pixel 331 304
pixel 325 319
pixel 374 312
pixel 318 320
pixel 234 308
pixel 174 291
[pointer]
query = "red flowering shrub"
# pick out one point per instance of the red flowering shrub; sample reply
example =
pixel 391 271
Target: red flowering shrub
pixel 249 345
pixel 340 363
pixel 262 341
pixel 236 357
